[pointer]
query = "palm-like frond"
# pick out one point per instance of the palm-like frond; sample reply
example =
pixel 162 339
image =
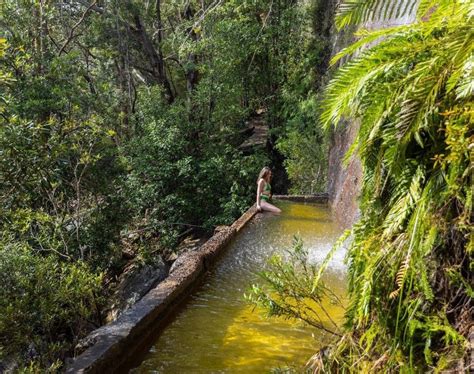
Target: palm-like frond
pixel 411 91
pixel 360 12
pixel 356 12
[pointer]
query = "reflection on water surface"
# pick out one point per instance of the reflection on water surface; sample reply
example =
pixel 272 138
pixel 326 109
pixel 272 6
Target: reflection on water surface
pixel 218 332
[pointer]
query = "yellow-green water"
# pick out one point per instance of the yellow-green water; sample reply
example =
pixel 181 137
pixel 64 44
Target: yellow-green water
pixel 218 332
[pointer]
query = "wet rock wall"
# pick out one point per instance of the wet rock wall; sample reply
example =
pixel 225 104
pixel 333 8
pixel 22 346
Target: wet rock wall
pixel 345 178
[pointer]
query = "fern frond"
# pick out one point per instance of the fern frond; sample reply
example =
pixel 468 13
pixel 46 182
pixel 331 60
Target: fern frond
pixel 367 37
pixel 323 266
pixel 356 12
pixel 411 93
pixel 400 277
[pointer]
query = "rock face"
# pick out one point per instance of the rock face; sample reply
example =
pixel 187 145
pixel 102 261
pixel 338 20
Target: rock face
pixel 134 283
pixel 258 133
pixel 345 180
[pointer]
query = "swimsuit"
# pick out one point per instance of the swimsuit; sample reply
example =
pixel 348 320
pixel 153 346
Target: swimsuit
pixel 266 192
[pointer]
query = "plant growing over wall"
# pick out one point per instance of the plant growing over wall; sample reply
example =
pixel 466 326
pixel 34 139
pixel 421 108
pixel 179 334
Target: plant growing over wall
pixel 411 262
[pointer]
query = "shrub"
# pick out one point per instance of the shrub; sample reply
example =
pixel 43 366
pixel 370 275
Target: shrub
pixel 46 304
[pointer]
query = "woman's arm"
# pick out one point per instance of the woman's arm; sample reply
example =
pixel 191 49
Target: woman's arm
pixel 259 192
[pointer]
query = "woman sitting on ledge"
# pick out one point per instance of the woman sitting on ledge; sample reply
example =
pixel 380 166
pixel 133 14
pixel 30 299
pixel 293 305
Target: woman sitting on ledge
pixel 264 192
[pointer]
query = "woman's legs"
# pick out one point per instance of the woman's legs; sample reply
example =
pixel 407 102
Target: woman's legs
pixel 269 207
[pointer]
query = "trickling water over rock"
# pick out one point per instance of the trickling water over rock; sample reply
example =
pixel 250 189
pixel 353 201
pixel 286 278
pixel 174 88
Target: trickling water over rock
pixel 345 180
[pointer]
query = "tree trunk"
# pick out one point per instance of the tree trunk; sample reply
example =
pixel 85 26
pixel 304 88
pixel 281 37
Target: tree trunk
pixel 191 71
pixel 155 57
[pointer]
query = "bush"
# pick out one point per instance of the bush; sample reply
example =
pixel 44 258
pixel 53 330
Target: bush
pixel 67 202
pixel 184 173
pixel 306 149
pixel 292 288
pixel 45 304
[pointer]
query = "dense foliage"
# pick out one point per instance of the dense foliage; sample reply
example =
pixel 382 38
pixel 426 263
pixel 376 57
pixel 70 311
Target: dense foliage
pixel 411 261
pixel 43 301
pixel 296 108
pixel 124 119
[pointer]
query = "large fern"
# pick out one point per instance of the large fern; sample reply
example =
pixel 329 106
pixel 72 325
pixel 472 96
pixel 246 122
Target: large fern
pixel 412 91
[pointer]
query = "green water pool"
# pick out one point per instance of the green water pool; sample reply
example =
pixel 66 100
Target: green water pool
pixel 218 332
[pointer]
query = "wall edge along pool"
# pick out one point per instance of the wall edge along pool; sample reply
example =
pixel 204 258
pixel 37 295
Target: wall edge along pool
pixel 113 346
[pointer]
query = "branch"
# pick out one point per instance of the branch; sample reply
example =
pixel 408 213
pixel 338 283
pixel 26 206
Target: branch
pixel 93 7
pixel 78 23
pixel 200 19
pixel 264 24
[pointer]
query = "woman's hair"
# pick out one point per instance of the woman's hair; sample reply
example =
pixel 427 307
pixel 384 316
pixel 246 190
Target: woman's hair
pixel 263 173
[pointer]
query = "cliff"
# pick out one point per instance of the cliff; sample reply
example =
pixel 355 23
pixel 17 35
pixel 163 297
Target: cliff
pixel 344 179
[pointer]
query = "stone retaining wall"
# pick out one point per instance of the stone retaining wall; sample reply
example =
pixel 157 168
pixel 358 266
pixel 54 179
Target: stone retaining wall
pixel 111 347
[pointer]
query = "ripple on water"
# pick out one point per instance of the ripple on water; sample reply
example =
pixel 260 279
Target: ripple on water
pixel 218 332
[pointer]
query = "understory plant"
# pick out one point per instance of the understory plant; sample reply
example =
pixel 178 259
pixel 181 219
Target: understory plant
pixel 46 306
pixel 411 262
pixel 291 287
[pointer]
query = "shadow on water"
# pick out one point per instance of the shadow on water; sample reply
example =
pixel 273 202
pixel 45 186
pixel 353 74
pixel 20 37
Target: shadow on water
pixel 218 332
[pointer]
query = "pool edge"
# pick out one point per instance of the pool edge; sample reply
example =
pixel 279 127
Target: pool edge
pixel 115 344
